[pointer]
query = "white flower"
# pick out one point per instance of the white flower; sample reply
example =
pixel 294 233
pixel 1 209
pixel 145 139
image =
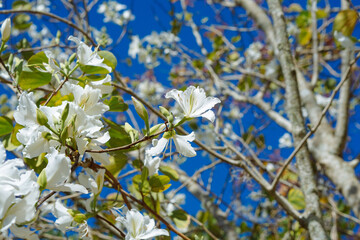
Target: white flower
pixel 253 53
pixel 194 102
pixel 6 30
pixel 140 227
pixel 86 56
pixel 64 219
pixel 182 143
pixel 151 163
pixel 51 66
pixel 93 181
pixel 87 98
pixel 19 193
pixel 285 141
pixel 104 85
pixel 344 41
pixel 134 46
pixel 58 172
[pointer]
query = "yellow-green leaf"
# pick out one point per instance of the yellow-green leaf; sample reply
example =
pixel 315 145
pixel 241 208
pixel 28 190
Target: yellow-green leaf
pixel 36 61
pixel 296 198
pixel 6 125
pixel 305 36
pixel 116 104
pixel 159 183
pixel 345 22
pixel 32 80
pixel 180 218
pixel 171 173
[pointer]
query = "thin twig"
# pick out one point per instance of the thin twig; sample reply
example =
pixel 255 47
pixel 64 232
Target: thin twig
pixel 51 16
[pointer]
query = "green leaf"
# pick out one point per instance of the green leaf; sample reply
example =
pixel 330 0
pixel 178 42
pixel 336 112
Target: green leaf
pixel 180 218
pixel 21 22
pixel 36 61
pixel 345 22
pixel 304 19
pixel 116 104
pixel 21 5
pixel 159 183
pixel 6 125
pixel 109 60
pixel 305 36
pixel 118 161
pixel 296 198
pixel 171 173
pixel 118 135
pixel 37 163
pixel 321 13
pixel 32 80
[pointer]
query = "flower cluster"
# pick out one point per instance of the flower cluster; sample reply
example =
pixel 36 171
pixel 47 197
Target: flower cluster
pixel 115 12
pixel 150 47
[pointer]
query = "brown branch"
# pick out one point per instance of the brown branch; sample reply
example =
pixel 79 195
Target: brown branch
pixel 51 16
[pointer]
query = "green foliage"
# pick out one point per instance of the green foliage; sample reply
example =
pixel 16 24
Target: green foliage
pixel 31 80
pixel 118 161
pixel 170 172
pixel 159 183
pixel 345 22
pixel 116 104
pixel 6 125
pixel 296 198
pixel 180 218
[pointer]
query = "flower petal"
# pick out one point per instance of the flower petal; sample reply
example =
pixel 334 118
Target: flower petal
pixel 158 147
pixel 183 146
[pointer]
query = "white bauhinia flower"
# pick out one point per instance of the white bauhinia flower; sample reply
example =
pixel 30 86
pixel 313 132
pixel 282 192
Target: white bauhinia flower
pixel 19 193
pixel 134 47
pixel 93 181
pixel 51 66
pixel 194 102
pixel 86 56
pixel 104 85
pixel 58 171
pixel 140 227
pixel 152 163
pixel 182 144
pixel 344 41
pixel 285 141
pixel 64 219
pixel 87 98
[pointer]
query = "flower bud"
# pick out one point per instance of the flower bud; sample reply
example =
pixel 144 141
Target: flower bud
pixel 164 111
pixel 6 30
pixel 41 117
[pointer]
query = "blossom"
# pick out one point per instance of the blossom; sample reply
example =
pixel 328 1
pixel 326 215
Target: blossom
pixel 139 226
pixel 253 53
pixel 285 141
pixel 182 144
pixel 6 30
pixel 194 102
pixel 104 85
pixel 58 171
pixel 344 41
pixel 63 218
pixel 134 46
pixel 86 56
pixel 19 193
pixel 93 181
pixel 152 164
pixel 51 66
